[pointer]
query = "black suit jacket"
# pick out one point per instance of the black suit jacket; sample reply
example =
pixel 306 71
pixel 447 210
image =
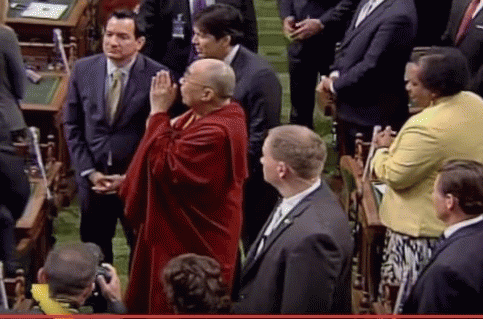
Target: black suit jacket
pixel 156 19
pixel 13 180
pixel 472 43
pixel 452 282
pixel 89 135
pixel 259 91
pixel 305 264
pixel 333 14
pixel 371 60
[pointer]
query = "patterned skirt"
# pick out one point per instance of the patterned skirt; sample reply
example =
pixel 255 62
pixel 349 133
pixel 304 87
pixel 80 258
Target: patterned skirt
pixel 403 259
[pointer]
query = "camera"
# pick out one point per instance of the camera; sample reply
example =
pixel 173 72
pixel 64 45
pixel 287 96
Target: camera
pixel 104 272
pixel 96 300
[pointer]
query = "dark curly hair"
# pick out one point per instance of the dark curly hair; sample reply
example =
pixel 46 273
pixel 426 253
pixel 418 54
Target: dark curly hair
pixel 194 284
pixel 444 70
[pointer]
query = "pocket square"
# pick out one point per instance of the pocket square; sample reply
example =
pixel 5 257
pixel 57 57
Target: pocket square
pixel 479 26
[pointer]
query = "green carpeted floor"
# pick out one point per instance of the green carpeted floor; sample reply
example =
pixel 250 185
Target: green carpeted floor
pixel 272 46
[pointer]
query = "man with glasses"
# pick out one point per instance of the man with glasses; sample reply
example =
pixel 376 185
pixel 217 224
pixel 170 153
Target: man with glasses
pixel 183 189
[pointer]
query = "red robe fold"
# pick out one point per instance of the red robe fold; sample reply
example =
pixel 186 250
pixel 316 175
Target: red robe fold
pixel 183 192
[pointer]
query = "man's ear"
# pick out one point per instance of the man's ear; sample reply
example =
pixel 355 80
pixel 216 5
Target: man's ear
pixel 140 42
pixel 282 169
pixel 226 40
pixel 208 94
pixel 450 202
pixel 42 276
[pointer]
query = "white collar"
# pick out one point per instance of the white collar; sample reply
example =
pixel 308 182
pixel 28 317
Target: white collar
pixel 231 55
pixel 111 67
pixel 289 203
pixel 453 228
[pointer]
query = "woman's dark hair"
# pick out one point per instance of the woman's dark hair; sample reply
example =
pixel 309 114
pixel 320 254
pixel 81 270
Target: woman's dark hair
pixel 194 284
pixel 444 70
pixel 220 20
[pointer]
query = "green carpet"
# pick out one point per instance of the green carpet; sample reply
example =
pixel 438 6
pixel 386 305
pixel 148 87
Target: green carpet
pixel 66 229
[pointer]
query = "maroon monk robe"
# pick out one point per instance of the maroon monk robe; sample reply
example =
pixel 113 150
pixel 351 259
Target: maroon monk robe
pixel 183 193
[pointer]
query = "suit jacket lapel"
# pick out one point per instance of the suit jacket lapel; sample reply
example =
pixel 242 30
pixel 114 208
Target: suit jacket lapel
pixel 282 227
pixel 463 232
pixel 355 16
pixel 379 10
pixel 253 248
pixel 100 80
pixel 130 89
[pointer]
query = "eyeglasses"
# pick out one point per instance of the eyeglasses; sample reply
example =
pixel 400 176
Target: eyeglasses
pixel 184 80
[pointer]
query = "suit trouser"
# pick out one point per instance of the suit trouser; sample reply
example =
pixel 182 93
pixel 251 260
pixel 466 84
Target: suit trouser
pixel 99 214
pixel 307 60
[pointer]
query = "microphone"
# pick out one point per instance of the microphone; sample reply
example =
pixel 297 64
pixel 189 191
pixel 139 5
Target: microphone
pixel 35 132
pixel 60 47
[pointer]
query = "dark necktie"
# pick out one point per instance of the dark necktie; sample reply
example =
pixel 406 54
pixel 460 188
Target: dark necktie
pixel 466 21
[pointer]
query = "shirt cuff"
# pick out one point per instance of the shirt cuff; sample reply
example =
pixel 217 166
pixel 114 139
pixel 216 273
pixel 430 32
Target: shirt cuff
pixel 87 172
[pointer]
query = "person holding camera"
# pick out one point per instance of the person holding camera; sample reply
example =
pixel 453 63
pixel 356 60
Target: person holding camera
pixel 69 277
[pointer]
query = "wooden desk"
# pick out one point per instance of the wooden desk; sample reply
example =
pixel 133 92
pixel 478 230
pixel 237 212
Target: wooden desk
pixel 369 236
pixel 33 230
pixel 46 113
pixel 36 101
pixel 73 22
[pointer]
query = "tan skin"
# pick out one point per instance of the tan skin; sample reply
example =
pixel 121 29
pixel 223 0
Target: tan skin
pixel 303 29
pixel 418 94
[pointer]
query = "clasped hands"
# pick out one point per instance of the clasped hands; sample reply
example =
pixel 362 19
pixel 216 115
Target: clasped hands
pixel 106 184
pixel 301 30
pixel 384 138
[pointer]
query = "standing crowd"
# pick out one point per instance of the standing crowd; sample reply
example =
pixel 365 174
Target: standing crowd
pixel 174 129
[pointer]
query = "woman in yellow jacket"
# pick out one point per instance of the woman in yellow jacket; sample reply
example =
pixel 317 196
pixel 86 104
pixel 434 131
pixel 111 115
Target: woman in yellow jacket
pixel 449 127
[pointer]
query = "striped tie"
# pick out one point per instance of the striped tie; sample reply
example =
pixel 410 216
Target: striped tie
pixel 114 94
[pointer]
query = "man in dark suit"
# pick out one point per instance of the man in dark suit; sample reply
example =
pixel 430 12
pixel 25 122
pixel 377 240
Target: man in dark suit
pixel 168 28
pixel 105 117
pixel 301 259
pixel 15 194
pixel 451 282
pixel 465 32
pixel 368 73
pixel 217 34
pixel 313 28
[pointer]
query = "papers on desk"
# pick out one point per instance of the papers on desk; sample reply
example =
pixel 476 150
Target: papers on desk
pixel 44 10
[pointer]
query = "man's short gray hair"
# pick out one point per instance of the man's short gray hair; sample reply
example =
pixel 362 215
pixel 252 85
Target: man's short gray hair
pixel 300 147
pixel 70 269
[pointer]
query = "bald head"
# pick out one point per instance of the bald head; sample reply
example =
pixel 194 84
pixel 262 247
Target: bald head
pixel 216 74
pixel 300 147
